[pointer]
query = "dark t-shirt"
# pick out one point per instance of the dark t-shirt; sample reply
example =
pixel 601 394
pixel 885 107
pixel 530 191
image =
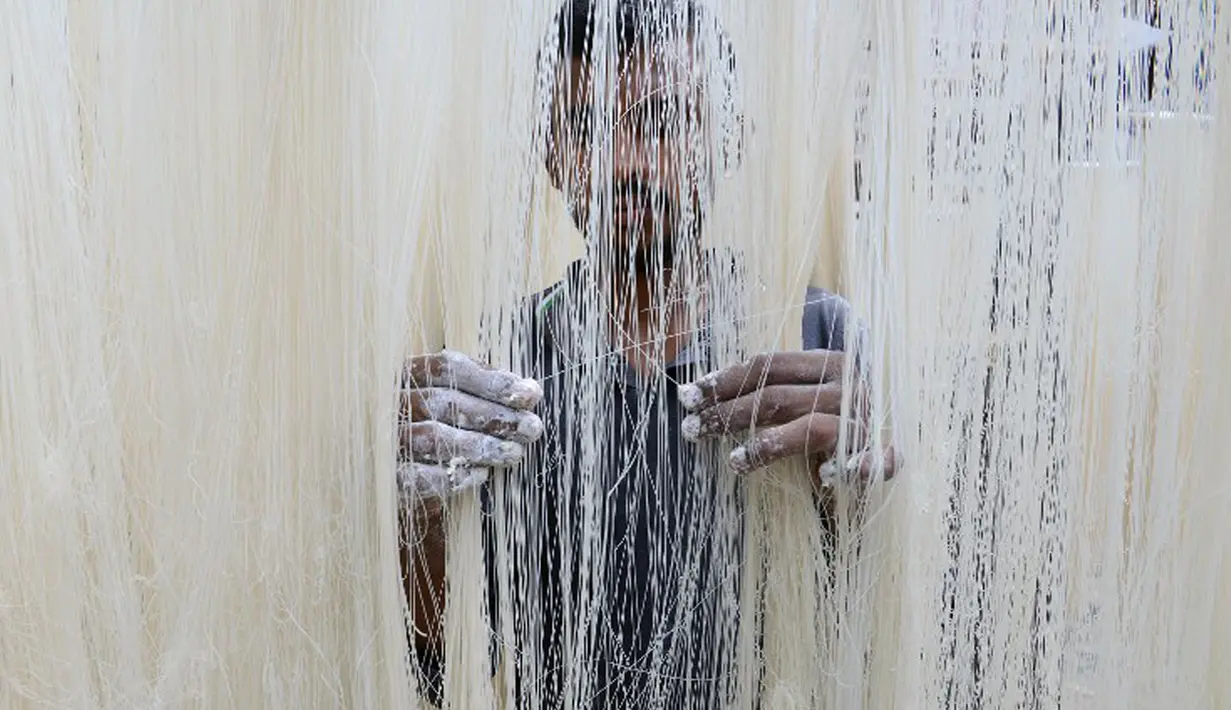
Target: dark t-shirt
pixel 668 558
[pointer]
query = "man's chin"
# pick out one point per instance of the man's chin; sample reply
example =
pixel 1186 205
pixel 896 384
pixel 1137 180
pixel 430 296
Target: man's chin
pixel 653 254
pixel 645 247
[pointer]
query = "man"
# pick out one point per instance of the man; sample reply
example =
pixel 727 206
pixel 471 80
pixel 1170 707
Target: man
pixel 653 640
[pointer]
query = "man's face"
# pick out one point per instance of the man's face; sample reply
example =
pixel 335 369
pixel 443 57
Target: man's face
pixel 645 196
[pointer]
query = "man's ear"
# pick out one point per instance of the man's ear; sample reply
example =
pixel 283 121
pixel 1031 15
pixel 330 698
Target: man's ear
pixel 553 159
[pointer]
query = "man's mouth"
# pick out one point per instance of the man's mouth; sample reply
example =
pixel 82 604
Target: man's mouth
pixel 632 211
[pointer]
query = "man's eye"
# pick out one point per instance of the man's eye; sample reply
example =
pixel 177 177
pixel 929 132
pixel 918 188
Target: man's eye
pixel 581 124
pixel 667 124
pixel 670 120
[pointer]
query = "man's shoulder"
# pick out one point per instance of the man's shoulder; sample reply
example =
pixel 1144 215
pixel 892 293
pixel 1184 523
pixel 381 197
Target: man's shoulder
pixel 549 299
pixel 543 301
pixel 545 320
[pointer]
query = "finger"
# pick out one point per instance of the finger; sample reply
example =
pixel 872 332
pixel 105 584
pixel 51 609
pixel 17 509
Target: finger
pixel 811 435
pixel 466 411
pixel 864 465
pixel 886 464
pixel 433 442
pixel 454 370
pixel 861 401
pixel 785 368
pixel 427 481
pixel 771 406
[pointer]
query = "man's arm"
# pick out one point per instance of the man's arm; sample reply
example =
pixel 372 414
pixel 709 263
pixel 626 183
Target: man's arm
pixel 458 419
pixel 423 571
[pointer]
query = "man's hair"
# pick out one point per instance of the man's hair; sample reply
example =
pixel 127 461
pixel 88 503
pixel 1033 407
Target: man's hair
pixel 640 24
pixel 635 24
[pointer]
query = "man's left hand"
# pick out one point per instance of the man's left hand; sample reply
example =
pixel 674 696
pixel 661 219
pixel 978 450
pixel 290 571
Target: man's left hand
pixel 792 404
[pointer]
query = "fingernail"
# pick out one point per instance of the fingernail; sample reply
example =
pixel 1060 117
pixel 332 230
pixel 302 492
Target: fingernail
pixel 507 453
pixel 468 478
pixel 828 473
pixel 525 394
pixel 690 397
pixel 691 427
pixel 530 427
pixel 739 460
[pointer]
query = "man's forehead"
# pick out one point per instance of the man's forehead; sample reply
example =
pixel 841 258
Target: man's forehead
pixel 668 75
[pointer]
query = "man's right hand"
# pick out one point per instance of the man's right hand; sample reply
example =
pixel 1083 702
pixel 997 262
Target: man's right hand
pixel 458 418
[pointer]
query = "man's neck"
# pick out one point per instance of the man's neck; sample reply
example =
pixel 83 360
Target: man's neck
pixel 650 318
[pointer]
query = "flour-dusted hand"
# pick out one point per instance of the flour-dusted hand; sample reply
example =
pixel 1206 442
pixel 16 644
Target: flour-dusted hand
pixel 459 418
pixel 787 404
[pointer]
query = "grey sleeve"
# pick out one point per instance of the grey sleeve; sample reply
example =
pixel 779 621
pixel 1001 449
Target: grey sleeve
pixel 824 323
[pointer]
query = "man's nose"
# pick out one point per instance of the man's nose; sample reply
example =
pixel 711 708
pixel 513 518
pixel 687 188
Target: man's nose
pixel 632 159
